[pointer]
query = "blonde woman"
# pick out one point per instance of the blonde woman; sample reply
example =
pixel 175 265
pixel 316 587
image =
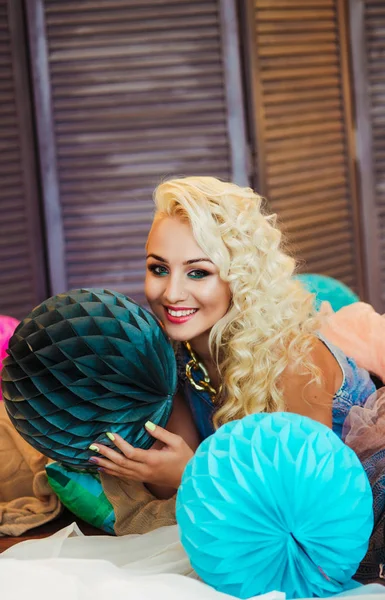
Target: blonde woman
pixel 244 330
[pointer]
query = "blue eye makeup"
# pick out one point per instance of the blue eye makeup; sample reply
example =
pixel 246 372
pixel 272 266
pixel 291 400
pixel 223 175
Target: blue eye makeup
pixel 198 274
pixel 161 271
pixel 158 270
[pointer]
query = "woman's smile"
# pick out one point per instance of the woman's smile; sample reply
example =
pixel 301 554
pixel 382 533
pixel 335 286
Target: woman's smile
pixel 179 314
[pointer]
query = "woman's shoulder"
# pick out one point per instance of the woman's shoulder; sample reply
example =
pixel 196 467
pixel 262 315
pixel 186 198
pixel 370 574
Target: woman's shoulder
pixel 342 385
pixel 330 365
pixel 325 363
pixel 311 393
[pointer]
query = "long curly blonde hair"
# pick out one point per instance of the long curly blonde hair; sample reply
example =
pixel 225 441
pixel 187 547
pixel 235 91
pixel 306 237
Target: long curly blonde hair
pixel 270 323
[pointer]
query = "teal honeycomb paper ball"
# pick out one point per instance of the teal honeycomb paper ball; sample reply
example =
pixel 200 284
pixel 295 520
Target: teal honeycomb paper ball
pixel 275 502
pixel 84 363
pixel 328 289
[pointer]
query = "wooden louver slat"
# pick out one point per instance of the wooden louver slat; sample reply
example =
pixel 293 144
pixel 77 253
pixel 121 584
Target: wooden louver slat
pixel 374 28
pixel 22 282
pixel 302 132
pixel 138 94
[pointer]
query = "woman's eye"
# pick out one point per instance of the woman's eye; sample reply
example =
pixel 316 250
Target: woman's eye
pixel 198 274
pixel 158 270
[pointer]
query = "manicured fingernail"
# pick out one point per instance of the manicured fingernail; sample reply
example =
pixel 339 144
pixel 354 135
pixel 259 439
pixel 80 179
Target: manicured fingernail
pixel 93 448
pixel 110 436
pixel 150 426
pixel 93 459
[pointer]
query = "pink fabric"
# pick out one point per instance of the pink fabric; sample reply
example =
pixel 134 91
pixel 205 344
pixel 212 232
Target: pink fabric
pixel 7 327
pixel 359 332
pixel 364 427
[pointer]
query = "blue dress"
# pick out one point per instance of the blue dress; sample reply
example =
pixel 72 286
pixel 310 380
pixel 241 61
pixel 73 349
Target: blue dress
pixel 357 386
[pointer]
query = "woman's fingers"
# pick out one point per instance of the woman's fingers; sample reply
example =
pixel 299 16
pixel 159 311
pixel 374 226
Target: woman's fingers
pixel 131 470
pixel 127 464
pixel 169 439
pixel 112 455
pixel 127 451
pixel 163 466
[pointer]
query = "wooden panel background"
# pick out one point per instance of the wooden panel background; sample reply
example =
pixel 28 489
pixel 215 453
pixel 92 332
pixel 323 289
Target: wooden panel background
pixel 22 276
pixel 374 25
pixel 137 93
pixel 367 20
pixel 301 104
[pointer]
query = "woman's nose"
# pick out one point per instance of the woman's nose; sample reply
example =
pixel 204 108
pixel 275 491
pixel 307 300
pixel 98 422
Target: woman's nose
pixel 175 291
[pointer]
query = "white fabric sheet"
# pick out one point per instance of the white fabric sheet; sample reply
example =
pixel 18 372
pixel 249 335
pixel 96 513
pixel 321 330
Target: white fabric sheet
pixel 71 566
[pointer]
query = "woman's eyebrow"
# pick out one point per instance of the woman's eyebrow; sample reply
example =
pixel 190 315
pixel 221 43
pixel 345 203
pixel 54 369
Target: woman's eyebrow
pixel 156 258
pixel 187 262
pixel 195 260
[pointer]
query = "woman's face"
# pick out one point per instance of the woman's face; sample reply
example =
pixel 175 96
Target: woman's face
pixel 183 286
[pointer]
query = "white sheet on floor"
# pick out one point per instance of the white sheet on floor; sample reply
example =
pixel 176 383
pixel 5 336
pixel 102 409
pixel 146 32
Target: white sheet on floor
pixel 71 566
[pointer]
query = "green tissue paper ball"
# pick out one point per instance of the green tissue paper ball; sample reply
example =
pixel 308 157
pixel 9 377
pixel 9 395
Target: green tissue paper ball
pixel 84 363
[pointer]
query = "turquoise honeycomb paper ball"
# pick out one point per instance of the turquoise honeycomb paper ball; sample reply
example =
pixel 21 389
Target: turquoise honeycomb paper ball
pixel 84 363
pixel 328 289
pixel 275 502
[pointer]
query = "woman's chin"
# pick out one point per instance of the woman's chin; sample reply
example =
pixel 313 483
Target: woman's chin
pixel 176 336
pixel 180 333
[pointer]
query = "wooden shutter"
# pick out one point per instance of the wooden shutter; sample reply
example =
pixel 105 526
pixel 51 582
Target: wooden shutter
pixel 22 282
pixel 303 130
pixel 367 21
pixel 137 94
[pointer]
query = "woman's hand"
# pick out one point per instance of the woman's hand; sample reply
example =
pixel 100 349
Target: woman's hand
pixel 162 466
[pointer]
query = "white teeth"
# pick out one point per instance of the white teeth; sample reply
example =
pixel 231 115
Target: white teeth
pixel 181 313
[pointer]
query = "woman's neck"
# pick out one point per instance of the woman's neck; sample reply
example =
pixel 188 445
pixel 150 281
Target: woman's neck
pixel 202 349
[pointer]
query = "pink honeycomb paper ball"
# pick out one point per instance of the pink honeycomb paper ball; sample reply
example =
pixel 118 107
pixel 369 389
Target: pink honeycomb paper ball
pixel 7 327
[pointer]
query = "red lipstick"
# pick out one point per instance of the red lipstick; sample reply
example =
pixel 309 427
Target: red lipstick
pixel 179 320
